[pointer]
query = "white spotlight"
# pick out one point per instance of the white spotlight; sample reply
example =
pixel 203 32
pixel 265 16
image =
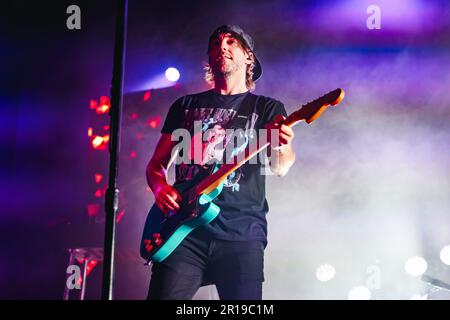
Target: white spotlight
pixel 325 272
pixel 445 255
pixel 172 74
pixel 359 293
pixel 416 266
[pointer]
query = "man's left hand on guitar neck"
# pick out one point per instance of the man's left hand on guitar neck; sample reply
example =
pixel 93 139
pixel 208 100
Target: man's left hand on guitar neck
pixel 280 153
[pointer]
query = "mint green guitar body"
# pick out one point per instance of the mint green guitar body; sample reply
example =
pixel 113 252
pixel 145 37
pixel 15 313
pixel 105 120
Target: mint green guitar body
pixel 162 233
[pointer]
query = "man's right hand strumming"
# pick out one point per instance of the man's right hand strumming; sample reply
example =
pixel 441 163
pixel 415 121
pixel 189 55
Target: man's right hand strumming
pixel 167 198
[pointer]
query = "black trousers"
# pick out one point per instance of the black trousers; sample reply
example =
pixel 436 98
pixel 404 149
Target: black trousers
pixel 235 267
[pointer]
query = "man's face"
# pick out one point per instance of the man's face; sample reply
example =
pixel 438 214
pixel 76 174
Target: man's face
pixel 227 56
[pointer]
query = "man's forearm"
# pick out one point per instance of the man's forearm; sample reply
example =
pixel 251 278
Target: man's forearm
pixel 156 175
pixel 282 159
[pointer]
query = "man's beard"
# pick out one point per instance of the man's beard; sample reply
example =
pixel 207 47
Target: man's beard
pixel 224 69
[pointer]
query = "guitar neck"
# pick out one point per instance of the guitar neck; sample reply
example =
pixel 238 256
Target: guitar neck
pixel 213 181
pixel 308 113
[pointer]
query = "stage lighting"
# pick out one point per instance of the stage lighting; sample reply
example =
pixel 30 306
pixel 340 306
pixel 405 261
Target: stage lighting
pixel 445 255
pixel 172 74
pixel 325 272
pixel 98 177
pixel 416 266
pixel 100 142
pixel 98 193
pixel 105 105
pixel 359 293
pixel 148 95
pixel 91 265
pixel 97 141
pixel 93 104
pixel 119 216
pixel 154 122
pixel 93 209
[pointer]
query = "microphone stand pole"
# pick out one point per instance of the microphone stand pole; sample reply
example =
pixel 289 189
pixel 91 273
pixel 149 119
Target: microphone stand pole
pixel 112 193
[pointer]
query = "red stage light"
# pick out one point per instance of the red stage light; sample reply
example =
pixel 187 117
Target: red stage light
pixel 119 216
pixel 93 104
pixel 104 100
pixel 89 132
pixel 98 193
pixel 91 265
pixel 98 177
pixel 105 105
pixel 106 128
pixel 102 109
pixel 134 116
pixel 147 95
pixel 133 154
pixel 154 122
pixel 93 209
pixel 97 141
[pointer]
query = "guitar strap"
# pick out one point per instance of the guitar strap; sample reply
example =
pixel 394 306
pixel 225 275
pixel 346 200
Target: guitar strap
pixel 241 118
pixel 243 113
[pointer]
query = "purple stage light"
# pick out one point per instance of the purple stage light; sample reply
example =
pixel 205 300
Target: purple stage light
pixel 416 17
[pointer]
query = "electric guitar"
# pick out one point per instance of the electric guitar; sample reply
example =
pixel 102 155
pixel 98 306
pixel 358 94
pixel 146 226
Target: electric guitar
pixel 163 233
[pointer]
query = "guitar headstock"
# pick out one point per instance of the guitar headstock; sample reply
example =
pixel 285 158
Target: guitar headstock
pixel 312 110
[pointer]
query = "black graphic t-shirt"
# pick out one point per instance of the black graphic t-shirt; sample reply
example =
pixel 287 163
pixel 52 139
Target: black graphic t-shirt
pixel 242 202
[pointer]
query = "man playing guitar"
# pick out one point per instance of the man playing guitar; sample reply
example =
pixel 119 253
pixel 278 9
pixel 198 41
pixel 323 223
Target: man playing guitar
pixel 228 251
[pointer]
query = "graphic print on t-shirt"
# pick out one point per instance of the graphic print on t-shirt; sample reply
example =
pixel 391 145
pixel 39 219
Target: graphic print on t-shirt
pixel 214 121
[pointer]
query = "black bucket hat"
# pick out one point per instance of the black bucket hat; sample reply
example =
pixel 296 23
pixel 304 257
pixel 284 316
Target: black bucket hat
pixel 245 40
